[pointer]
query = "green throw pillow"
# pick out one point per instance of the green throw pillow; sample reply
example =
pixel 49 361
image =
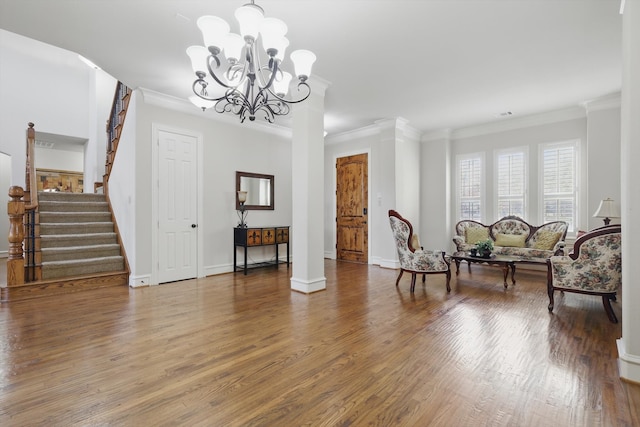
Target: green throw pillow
pixel 546 240
pixel 474 235
pixel 510 240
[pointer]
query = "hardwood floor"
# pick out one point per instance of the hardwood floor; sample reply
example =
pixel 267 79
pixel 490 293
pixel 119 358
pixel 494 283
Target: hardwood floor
pixel 235 350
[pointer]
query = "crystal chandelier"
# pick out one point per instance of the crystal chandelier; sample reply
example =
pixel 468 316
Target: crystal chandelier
pixel 233 62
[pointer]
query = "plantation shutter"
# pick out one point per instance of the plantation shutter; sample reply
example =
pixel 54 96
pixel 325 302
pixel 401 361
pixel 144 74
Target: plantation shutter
pixel 559 170
pixel 469 188
pixel 511 184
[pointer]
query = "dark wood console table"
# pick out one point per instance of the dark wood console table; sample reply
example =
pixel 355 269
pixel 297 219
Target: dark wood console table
pixel 259 236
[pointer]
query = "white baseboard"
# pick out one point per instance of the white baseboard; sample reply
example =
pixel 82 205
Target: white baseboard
pixel 308 286
pixel 628 364
pixel 139 281
pixel 213 270
pixel 389 263
pixel 330 254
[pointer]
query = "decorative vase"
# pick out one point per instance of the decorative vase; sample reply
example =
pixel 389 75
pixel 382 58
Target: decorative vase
pixel 486 253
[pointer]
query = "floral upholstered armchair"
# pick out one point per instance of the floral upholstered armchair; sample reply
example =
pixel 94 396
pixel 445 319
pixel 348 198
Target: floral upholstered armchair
pixel 414 259
pixel 594 267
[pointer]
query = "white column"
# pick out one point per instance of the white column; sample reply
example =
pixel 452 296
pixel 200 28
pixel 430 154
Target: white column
pixel 307 152
pixel 385 175
pixel 629 344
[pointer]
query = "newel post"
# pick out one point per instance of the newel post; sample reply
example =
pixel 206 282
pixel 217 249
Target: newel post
pixel 15 262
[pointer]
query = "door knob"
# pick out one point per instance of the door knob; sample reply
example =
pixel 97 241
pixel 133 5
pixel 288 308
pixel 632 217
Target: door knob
pixel 193 226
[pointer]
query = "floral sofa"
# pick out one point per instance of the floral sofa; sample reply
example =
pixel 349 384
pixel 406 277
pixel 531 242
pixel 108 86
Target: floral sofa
pixel 512 235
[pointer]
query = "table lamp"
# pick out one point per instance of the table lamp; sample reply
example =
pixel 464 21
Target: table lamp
pixel 607 210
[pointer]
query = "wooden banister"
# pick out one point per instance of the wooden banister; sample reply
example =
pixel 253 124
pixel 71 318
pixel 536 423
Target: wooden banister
pixel 115 123
pixel 30 174
pixel 15 262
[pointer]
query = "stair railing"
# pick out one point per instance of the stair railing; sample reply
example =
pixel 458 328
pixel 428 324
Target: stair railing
pixel 32 267
pixel 24 261
pixel 115 123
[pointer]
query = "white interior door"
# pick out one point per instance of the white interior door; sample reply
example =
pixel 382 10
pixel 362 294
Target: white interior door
pixel 177 210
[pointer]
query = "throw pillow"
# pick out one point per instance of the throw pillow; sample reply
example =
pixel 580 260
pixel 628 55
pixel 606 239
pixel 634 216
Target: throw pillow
pixel 546 240
pixel 415 242
pixel 510 240
pixel 474 235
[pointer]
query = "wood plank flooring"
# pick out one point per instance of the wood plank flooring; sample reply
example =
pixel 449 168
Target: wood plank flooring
pixel 235 350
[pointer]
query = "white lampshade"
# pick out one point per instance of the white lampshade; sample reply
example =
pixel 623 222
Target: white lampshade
pixel 242 196
pixel 250 18
pixel 281 45
pixel 607 209
pixel 201 103
pixel 271 30
pixel 233 45
pixel 281 84
pixel 214 31
pixel 198 56
pixel 303 61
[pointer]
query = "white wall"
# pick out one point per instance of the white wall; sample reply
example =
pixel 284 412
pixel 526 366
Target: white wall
pixel 530 136
pixel 102 89
pixel 394 175
pixel 603 133
pixel 227 148
pixel 52 85
pixel 5 179
pixel 391 186
pixel 70 161
pixel 122 187
pixel 435 193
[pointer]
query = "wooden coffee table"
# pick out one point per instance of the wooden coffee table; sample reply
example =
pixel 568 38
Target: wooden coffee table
pixel 505 262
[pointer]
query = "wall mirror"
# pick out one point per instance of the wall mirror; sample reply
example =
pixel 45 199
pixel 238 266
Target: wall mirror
pixel 259 188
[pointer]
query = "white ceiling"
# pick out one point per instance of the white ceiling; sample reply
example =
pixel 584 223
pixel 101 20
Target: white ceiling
pixel 440 64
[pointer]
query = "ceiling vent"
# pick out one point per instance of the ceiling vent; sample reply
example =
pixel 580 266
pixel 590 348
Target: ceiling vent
pixel 44 144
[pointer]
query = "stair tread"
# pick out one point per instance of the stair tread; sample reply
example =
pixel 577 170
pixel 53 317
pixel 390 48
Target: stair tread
pixel 77 235
pixel 72 224
pixel 85 247
pixel 103 260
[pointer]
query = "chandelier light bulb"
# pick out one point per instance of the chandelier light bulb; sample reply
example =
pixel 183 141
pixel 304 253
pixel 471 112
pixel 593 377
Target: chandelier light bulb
pixel 303 61
pixel 281 45
pixel 281 84
pixel 198 56
pixel 250 18
pixel 271 31
pixel 233 45
pixel 214 32
pixel 201 103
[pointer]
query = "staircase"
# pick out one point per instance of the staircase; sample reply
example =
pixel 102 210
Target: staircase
pixel 77 236
pixel 77 249
pixel 64 242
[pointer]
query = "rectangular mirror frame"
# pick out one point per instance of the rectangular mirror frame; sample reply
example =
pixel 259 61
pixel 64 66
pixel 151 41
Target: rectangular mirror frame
pixel 240 175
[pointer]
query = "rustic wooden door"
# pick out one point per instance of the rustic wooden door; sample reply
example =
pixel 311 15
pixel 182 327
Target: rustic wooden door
pixel 352 201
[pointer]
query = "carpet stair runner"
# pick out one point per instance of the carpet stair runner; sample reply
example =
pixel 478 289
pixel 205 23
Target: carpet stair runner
pixel 77 236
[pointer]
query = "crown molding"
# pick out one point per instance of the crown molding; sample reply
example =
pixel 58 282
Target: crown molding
pixel 607 102
pixel 398 123
pixel 436 136
pixel 158 99
pixel 350 135
pixel 570 113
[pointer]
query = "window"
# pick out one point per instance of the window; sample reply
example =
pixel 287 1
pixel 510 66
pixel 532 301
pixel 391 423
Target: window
pixel 470 178
pixel 511 178
pixel 559 171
